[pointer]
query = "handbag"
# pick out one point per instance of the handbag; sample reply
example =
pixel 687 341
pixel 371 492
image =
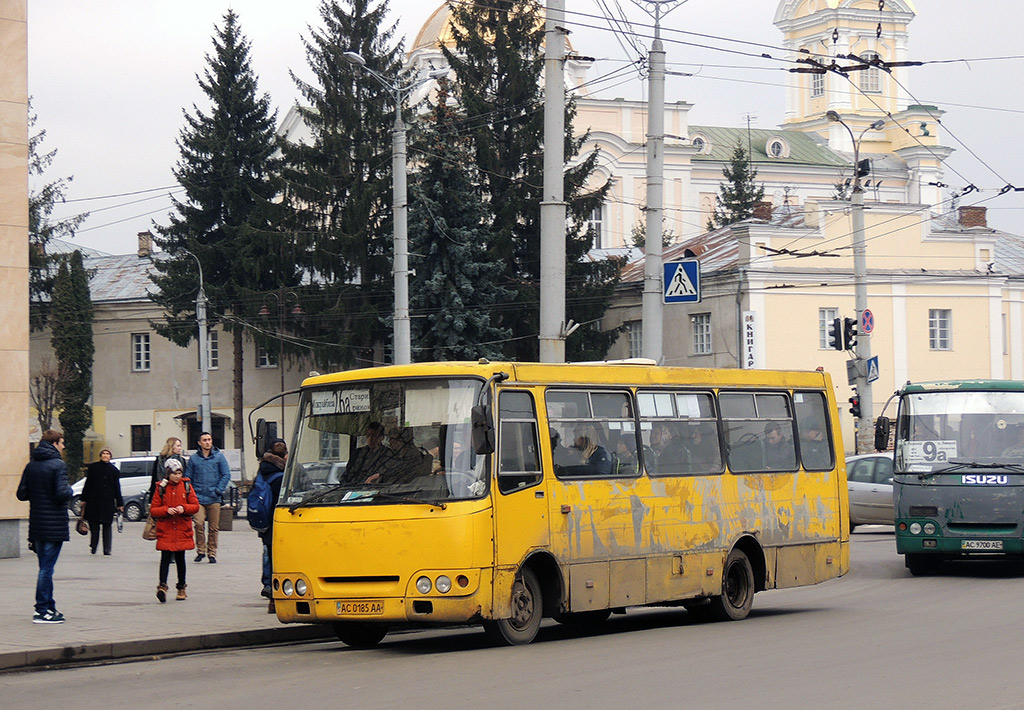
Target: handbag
pixel 149 531
pixel 82 527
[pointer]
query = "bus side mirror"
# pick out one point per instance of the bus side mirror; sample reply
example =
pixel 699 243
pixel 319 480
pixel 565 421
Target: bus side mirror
pixel 483 431
pixel 263 436
pixel 882 426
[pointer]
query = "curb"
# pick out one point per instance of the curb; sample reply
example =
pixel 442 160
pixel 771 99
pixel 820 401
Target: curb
pixel 122 650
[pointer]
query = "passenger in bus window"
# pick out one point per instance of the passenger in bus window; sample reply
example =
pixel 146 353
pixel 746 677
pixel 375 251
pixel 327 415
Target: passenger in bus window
pixel 702 445
pixel 779 454
pixel 813 447
pixel 593 459
pixel 626 460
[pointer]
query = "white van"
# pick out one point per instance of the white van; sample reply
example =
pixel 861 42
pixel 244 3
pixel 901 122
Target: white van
pixel 136 474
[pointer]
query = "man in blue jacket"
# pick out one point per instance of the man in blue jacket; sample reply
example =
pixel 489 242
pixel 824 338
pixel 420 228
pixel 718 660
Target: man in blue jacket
pixel 210 475
pixel 44 484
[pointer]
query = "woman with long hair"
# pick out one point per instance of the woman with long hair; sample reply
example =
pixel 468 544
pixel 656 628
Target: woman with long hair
pixel 101 497
pixel 172 450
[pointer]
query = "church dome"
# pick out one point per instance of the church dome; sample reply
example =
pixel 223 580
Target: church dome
pixel 437 32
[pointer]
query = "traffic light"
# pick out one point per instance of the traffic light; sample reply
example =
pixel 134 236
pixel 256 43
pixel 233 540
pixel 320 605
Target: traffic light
pixel 850 333
pixel 855 404
pixel 835 334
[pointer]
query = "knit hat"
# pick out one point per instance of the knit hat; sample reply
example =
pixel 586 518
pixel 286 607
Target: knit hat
pixel 172 465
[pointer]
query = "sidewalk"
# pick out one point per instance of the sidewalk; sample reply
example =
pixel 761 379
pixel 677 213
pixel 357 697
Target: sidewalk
pixel 111 606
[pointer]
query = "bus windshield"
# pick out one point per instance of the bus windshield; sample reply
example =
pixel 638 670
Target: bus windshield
pixel 937 429
pixel 386 441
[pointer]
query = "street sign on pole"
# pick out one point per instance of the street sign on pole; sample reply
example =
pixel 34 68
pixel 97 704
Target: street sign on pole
pixel 872 369
pixel 682 281
pixel 867 322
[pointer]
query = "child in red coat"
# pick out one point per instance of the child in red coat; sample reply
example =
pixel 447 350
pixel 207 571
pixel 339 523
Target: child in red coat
pixel 173 505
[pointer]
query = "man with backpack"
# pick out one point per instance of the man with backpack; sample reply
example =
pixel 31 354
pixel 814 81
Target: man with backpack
pixel 266 489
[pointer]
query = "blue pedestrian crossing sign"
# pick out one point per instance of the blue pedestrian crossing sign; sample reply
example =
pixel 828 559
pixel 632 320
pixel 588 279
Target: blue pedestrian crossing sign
pixel 682 281
pixel 872 369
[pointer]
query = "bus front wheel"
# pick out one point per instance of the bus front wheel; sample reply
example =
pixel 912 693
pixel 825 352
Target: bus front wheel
pixel 737 597
pixel 360 634
pixel 527 610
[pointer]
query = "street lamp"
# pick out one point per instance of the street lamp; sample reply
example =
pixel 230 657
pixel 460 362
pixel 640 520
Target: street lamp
pixel 399 168
pixel 282 297
pixel 860 272
pixel 205 413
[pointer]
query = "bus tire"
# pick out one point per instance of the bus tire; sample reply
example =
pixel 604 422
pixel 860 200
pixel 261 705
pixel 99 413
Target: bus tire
pixel 527 611
pixel 359 634
pixel 920 565
pixel 737 597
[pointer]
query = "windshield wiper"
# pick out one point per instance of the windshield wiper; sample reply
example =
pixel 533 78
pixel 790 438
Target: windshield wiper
pixel 961 465
pixel 410 499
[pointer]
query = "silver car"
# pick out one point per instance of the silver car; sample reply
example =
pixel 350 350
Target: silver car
pixel 869 482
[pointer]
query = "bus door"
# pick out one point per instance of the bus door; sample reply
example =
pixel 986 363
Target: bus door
pixel 520 496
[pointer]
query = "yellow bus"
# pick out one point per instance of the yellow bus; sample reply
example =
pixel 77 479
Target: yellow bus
pixel 501 493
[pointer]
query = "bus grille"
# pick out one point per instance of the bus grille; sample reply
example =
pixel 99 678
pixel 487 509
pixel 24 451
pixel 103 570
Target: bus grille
pixel 982 528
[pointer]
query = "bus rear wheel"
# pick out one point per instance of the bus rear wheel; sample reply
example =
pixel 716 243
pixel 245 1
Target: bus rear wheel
pixel 360 634
pixel 737 597
pixel 527 611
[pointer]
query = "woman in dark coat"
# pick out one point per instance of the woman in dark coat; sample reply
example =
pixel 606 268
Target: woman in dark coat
pixel 101 496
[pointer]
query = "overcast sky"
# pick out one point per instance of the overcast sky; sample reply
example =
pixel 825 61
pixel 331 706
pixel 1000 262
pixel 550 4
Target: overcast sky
pixel 109 80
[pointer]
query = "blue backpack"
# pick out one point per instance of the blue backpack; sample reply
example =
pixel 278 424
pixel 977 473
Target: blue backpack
pixel 259 506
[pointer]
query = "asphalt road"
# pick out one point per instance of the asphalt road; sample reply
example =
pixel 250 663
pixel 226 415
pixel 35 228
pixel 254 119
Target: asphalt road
pixel 877 638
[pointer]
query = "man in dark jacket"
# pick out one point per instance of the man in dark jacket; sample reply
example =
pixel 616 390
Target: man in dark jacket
pixel 44 484
pixel 271 469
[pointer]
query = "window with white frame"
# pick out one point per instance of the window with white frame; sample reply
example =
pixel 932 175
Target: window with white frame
pixel 940 329
pixel 140 352
pixel 635 331
pixel 817 86
pixel 701 323
pixel 212 351
pixel 595 226
pixel 825 318
pixel 265 358
pixel 871 78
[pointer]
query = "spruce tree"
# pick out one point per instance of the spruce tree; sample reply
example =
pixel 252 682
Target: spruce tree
pixel 739 194
pixel 42 228
pixel 339 184
pixel 71 318
pixel 229 217
pixel 498 63
pixel 455 287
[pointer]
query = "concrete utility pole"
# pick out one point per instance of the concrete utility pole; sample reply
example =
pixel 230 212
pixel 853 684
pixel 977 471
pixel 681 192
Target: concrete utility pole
pixel 865 429
pixel 400 204
pixel 652 303
pixel 552 206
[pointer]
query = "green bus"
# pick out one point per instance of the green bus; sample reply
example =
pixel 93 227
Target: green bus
pixel 958 484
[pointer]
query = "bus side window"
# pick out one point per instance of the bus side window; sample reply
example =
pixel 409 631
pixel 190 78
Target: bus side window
pixel 518 451
pixel 813 431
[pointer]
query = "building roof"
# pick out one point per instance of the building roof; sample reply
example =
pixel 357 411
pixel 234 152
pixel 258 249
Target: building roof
pixel 124 277
pixel 804 148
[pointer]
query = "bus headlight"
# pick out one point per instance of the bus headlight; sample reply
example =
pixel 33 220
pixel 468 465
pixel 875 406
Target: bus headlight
pixel 929 528
pixel 423 585
pixel 915 528
pixel 443 584
pixel 300 587
pixel 287 587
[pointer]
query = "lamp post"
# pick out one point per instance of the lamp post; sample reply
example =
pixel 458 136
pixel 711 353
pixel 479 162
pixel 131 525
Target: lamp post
pixel 860 272
pixel 282 298
pixel 399 168
pixel 205 413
